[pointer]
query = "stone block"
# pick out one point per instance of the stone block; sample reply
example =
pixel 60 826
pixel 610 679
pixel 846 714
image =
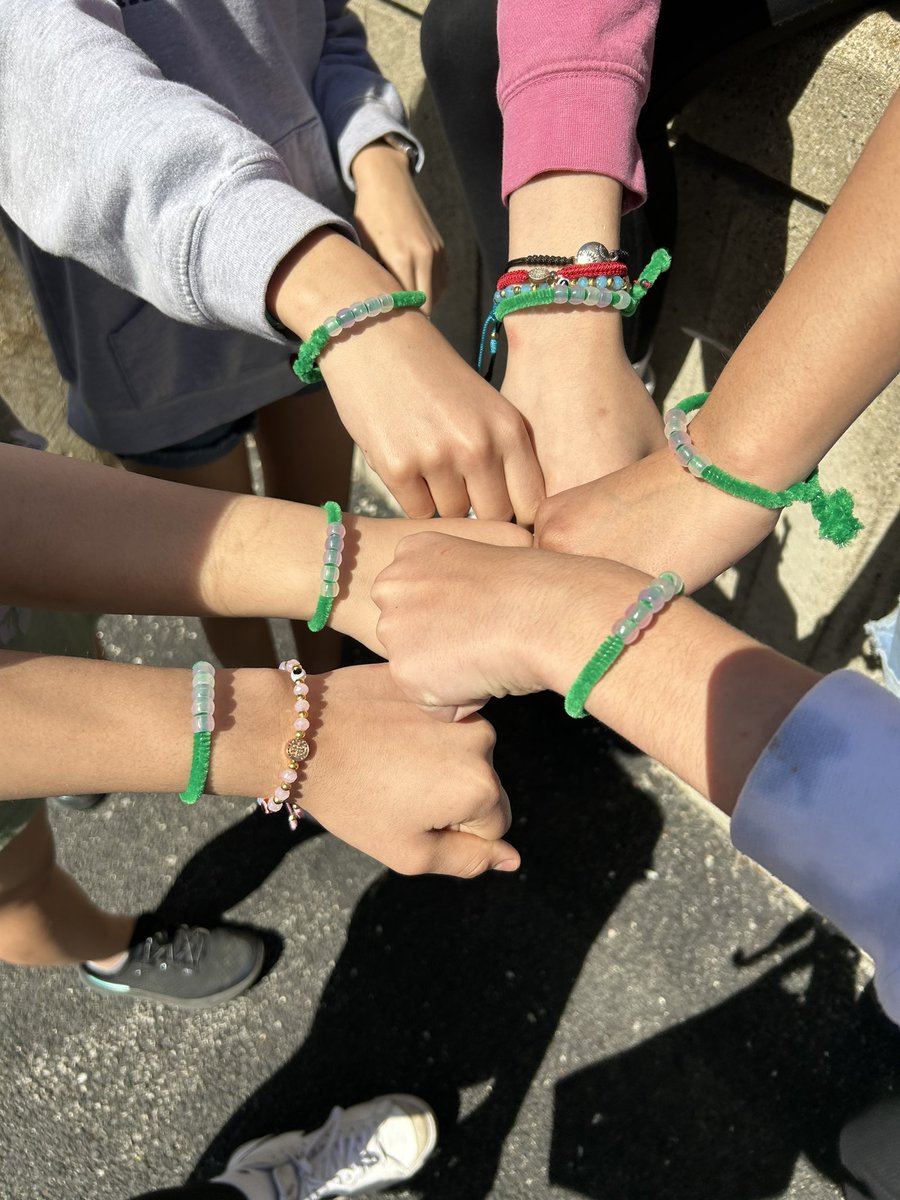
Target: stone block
pixel 801 112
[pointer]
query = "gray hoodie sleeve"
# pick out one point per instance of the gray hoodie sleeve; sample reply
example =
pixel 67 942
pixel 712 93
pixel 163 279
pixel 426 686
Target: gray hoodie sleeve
pixel 148 182
pixel 358 105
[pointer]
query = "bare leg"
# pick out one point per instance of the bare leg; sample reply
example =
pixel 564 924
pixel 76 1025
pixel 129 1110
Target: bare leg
pixel 236 641
pixel 45 917
pixel 306 457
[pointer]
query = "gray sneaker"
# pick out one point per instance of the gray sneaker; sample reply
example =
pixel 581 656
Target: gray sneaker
pixel 188 967
pixel 366 1148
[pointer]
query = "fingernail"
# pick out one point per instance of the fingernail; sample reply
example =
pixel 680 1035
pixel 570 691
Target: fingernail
pixel 508 864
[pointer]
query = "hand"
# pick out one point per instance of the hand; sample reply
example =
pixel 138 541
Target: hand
pixel 593 415
pixel 370 547
pixel 463 622
pixel 393 222
pixel 417 795
pixel 441 438
pixel 655 516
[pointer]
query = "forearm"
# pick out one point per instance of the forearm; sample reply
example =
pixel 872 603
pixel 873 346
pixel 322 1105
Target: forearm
pixel 556 214
pixel 693 692
pixel 80 536
pixel 130 729
pixel 829 340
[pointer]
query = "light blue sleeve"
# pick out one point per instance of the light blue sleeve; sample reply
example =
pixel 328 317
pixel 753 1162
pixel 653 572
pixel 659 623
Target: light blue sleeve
pixel 821 811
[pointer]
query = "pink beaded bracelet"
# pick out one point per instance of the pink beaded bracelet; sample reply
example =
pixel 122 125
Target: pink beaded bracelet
pixel 297 749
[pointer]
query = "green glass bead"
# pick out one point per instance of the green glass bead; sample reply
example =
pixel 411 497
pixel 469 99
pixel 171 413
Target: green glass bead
pixel 332 326
pixel 330 572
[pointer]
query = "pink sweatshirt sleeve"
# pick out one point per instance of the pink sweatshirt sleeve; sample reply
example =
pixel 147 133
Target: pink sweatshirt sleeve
pixel 573 77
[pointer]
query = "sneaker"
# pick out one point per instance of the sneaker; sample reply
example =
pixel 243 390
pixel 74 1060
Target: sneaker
pixel 80 803
pixel 188 967
pixel 366 1148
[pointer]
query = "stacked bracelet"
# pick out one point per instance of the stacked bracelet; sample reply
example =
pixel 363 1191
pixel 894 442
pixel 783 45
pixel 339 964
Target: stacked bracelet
pixel 589 253
pixel 833 511
pixel 297 749
pixel 625 299
pixel 203 708
pixel 304 364
pixel 331 566
pixel 625 631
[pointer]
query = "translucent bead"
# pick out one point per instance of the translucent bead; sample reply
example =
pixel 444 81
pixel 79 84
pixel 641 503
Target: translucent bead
pixel 330 590
pixel 678 437
pixel 582 282
pixel 698 465
pixel 577 294
pixel 334 528
pixel 622 628
pixel 345 318
pixel 335 542
pixel 330 572
pixel 604 299
pixel 676 416
pixel 632 636
pixel 333 327
pixel 203 723
pixel 334 556
pixel 386 300
pixel 204 667
pixel 653 597
pixel 617 282
pixel 670 583
pixel 204 679
pixel 301 724
pixel 301 705
pixel 591 296
pixel 561 293
pixel 301 689
pixel 373 306
pixel 508 292
pixel 280 795
pixel 289 775
pixel 359 310
pixel 203 706
pixel 640 615
pixel 685 453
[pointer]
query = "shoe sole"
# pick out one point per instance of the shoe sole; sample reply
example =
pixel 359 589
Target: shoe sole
pixel 122 991
pixel 419 1109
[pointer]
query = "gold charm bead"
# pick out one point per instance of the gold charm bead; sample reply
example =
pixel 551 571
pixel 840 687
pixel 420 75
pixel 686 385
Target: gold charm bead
pixel 297 749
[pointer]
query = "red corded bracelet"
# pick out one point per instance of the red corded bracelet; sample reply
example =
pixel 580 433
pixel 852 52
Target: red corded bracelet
pixel 544 275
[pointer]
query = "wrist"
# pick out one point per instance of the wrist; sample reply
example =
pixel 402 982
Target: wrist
pixel 254 722
pixel 323 273
pixel 379 162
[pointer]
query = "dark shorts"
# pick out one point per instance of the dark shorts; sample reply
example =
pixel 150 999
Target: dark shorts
pixel 201 450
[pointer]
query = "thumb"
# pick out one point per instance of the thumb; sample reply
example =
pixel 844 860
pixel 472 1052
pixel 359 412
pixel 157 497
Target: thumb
pixel 466 855
pixel 451 712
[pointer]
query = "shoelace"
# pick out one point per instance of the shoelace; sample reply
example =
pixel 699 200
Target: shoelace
pixel 184 949
pixel 335 1157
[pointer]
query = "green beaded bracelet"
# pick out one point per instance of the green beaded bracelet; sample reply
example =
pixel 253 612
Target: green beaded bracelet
pixel 203 708
pixel 833 511
pixel 304 364
pixel 651 600
pixel 331 566
pixel 624 302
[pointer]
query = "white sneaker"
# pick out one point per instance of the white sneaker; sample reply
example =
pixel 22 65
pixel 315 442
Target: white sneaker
pixel 365 1148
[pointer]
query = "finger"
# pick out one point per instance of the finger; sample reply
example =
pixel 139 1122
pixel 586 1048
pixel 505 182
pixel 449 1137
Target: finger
pixel 467 856
pixel 492 824
pixel 448 713
pixel 448 490
pixel 488 493
pixel 426 281
pixel 524 480
pixel 412 495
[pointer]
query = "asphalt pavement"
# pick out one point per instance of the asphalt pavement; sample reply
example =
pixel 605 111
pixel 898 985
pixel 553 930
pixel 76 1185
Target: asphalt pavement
pixel 639 1014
